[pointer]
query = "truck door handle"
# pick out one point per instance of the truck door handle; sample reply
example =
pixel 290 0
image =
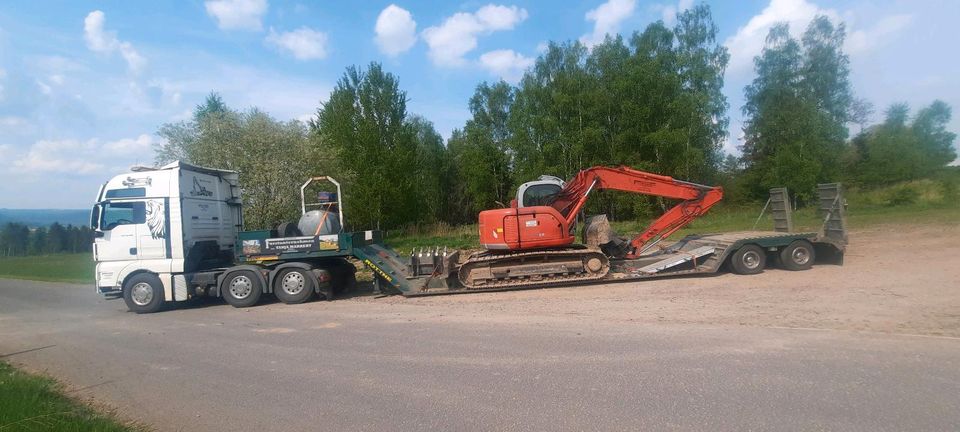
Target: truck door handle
pixel 133 251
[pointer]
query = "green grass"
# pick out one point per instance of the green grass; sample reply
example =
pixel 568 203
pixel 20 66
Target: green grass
pixel 35 403
pixel 77 268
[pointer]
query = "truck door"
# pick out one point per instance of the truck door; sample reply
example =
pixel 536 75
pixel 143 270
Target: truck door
pixel 152 233
pixel 118 222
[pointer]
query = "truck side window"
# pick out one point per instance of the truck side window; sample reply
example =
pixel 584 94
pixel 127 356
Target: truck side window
pixel 123 213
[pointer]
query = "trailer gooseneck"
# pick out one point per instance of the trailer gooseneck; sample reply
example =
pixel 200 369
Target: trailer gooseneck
pixel 174 233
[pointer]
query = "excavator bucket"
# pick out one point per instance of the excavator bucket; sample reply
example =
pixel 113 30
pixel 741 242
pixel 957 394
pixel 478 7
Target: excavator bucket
pixel 598 234
pixel 597 231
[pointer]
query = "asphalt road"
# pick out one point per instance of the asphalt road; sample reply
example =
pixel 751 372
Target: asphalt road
pixel 385 365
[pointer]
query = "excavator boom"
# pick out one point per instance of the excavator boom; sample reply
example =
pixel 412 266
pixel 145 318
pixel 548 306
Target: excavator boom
pixel 696 199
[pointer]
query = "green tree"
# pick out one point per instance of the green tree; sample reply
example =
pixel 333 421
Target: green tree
pixel 481 151
pixel 363 124
pixel 14 239
pixel 432 184
pixel 271 156
pixel 56 239
pixel 702 62
pixel 797 108
pixel 896 150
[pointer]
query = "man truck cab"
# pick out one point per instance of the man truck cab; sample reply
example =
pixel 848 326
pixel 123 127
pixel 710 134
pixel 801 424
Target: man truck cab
pixel 151 224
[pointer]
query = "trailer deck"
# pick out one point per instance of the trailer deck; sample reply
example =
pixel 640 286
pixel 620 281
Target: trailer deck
pixel 434 271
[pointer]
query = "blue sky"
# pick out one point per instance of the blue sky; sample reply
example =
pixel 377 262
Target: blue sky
pixel 84 86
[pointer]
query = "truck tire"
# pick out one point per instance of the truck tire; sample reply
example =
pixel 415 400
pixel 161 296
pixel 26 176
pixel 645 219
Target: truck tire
pixel 242 289
pixel 293 286
pixel 143 293
pixel 798 255
pixel 749 259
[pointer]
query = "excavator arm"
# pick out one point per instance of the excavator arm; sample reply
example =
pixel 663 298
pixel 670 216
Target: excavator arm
pixel 695 199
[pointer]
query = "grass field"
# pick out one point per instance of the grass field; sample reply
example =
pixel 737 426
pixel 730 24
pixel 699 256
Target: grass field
pixel 76 268
pixel 34 403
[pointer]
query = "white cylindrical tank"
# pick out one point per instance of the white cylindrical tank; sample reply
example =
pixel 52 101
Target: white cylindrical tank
pixel 312 219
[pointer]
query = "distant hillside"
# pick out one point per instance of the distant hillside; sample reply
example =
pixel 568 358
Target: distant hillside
pixel 44 217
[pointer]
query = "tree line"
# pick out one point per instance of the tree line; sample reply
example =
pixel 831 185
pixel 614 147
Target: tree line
pixel 651 100
pixel 17 239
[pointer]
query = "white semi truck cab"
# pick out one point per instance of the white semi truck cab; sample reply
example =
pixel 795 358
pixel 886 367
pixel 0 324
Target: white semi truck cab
pixel 168 221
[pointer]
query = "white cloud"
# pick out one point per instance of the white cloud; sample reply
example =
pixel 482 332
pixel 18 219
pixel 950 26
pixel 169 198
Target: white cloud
pixel 142 144
pixel 237 14
pixel 303 43
pixel 44 88
pixel 71 156
pixel 305 118
pixel 865 40
pixel 106 42
pixel 607 19
pixel 748 41
pixel 396 31
pixel 669 11
pixel 506 64
pixel 457 35
pixel 13 122
pixel 59 156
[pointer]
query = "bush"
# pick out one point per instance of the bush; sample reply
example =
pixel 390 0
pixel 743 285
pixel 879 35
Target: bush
pixel 902 195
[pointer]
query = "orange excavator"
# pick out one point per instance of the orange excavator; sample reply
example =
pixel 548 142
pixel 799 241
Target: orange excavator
pixel 532 242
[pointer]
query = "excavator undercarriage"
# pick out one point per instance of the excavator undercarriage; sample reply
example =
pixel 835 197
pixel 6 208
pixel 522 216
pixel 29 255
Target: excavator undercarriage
pixel 528 269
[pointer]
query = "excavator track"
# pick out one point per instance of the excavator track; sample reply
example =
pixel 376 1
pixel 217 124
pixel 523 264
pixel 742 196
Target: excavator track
pixel 508 270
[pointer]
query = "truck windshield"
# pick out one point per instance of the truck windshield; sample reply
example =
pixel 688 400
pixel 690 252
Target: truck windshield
pixel 123 213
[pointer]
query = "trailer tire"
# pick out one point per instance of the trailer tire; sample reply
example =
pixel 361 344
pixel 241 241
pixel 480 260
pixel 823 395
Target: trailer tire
pixel 797 256
pixel 293 286
pixel 143 293
pixel 749 259
pixel 242 289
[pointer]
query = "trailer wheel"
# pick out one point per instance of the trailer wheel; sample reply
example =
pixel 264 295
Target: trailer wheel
pixel 143 293
pixel 798 255
pixel 293 286
pixel 242 289
pixel 749 259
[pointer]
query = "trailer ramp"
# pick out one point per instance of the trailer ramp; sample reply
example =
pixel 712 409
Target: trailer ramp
pixel 676 260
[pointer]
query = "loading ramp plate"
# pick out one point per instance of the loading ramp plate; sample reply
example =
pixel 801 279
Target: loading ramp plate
pixel 679 258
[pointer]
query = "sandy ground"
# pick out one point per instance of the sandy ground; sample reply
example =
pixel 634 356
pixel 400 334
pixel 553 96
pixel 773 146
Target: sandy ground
pixel 872 345
pixel 895 279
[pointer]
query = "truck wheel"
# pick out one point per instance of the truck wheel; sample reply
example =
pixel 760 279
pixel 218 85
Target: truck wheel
pixel 143 293
pixel 798 255
pixel 242 289
pixel 293 286
pixel 747 260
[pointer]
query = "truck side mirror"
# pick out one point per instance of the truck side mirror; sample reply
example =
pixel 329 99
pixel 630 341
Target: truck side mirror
pixel 98 234
pixel 95 217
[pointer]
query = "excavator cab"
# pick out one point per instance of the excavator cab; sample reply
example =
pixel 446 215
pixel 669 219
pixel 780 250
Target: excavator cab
pixel 529 222
pixel 540 192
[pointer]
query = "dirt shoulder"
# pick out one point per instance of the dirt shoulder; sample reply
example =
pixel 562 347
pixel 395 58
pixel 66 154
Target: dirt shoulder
pixel 896 279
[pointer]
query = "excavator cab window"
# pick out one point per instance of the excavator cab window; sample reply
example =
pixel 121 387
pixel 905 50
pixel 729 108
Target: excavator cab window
pixel 540 194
